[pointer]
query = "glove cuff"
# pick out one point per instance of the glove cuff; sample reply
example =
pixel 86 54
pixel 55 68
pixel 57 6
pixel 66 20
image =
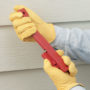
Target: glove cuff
pixel 69 86
pixel 52 33
pixel 72 85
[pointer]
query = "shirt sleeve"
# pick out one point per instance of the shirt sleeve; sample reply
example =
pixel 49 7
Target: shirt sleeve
pixel 75 43
pixel 78 88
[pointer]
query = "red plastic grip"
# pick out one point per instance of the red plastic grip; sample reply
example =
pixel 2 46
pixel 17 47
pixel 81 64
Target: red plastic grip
pixel 50 53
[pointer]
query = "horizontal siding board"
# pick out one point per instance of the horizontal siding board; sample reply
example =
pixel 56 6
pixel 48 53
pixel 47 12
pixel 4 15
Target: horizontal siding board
pixel 26 80
pixel 37 79
pixel 18 55
pixel 15 54
pixel 49 10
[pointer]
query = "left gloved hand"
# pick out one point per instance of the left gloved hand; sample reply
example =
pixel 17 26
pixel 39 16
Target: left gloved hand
pixel 62 80
pixel 25 27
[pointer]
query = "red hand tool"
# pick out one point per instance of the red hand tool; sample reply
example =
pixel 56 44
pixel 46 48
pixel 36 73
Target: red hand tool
pixel 49 53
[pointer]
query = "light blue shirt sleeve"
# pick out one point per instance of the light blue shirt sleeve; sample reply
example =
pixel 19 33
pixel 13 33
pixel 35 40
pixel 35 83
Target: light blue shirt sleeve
pixel 74 42
pixel 78 88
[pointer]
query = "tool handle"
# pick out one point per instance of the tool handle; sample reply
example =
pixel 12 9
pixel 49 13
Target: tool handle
pixel 50 53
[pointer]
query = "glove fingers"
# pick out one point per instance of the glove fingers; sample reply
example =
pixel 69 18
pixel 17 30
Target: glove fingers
pixel 28 33
pixel 24 27
pixel 60 52
pixel 18 7
pixel 31 39
pixel 22 21
pixel 72 69
pixel 15 15
pixel 47 65
pixel 35 18
pixel 70 64
pixel 66 60
pixel 50 70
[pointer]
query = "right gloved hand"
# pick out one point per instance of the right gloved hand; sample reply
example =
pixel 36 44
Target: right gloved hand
pixel 25 27
pixel 62 80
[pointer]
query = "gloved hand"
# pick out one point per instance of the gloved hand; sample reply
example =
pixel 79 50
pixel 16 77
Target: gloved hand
pixel 62 81
pixel 25 27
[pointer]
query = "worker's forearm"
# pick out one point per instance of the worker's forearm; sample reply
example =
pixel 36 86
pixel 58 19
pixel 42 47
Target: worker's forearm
pixel 78 88
pixel 75 42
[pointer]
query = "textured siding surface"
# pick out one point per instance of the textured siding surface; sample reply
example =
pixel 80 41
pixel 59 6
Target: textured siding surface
pixel 18 55
pixel 26 57
pixel 49 10
pixel 37 79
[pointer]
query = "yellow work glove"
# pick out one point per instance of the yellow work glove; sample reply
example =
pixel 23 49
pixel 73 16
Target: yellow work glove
pixel 25 27
pixel 62 81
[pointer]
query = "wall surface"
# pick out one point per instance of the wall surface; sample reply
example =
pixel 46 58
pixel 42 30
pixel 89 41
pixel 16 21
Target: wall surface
pixel 49 10
pixel 21 63
pixel 25 57
pixel 37 80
